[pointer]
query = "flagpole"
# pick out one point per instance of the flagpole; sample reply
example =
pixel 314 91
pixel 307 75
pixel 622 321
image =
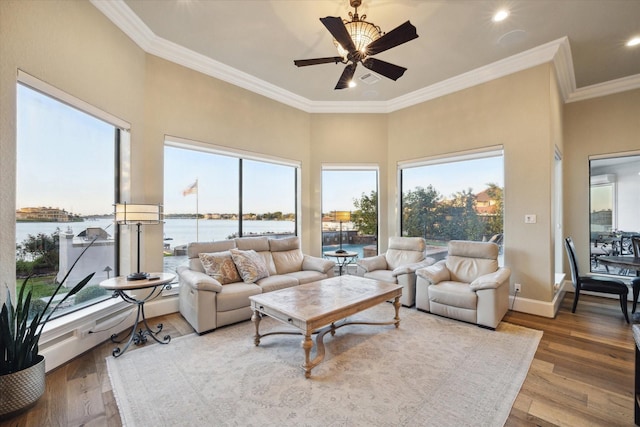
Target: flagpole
pixel 197 211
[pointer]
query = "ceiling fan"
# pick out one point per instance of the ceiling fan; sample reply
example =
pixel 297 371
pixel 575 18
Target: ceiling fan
pixel 357 41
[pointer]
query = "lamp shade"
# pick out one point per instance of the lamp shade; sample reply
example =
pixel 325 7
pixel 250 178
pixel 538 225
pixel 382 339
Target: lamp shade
pixel 362 33
pixel 343 216
pixel 138 214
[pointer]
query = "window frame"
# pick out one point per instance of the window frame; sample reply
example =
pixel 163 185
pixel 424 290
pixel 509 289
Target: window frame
pixel 121 155
pixel 241 155
pixel 351 167
pixel 446 158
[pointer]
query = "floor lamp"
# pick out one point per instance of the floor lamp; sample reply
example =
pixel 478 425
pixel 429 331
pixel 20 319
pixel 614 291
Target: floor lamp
pixel 342 216
pixel 138 214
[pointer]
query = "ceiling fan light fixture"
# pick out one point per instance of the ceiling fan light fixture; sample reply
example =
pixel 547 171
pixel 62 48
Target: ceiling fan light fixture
pixel 500 15
pixel 362 33
pixel 635 41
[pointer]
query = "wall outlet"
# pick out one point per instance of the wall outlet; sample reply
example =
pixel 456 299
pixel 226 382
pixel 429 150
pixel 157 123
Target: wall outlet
pixel 517 287
pixel 83 331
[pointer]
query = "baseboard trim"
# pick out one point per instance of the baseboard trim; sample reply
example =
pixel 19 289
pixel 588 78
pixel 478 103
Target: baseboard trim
pixel 537 307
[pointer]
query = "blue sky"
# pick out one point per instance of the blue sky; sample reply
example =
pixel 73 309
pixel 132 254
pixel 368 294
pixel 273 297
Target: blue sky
pixel 65 160
pixel 64 157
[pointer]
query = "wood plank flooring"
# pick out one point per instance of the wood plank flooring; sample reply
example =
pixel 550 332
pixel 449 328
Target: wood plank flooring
pixel 582 374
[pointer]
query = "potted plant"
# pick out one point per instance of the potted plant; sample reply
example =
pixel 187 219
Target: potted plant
pixel 22 369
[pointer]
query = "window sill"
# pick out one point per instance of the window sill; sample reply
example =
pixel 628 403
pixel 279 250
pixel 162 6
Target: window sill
pixel 82 320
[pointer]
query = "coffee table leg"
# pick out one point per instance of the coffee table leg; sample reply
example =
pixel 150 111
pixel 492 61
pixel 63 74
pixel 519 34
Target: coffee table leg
pixel 255 318
pixel 307 345
pixel 396 304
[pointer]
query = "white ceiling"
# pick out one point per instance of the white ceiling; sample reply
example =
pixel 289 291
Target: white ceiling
pixel 252 43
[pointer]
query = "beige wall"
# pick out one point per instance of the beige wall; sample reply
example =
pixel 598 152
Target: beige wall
pixel 184 103
pixel 600 126
pixel 514 112
pixel 72 46
pixel 349 139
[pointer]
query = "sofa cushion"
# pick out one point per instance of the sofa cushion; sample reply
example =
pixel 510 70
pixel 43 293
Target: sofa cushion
pixel 453 294
pixel 250 264
pixel 382 275
pixel 273 283
pixel 258 244
pixel 397 257
pixel 235 295
pixel 463 269
pixel 288 261
pixel 220 266
pixel 194 248
pixel 307 276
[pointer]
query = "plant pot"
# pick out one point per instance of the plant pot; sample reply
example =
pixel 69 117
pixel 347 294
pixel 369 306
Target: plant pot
pixel 21 389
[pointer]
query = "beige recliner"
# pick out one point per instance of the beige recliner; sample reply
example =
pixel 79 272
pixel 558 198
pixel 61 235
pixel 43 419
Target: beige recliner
pixel 398 265
pixel 468 285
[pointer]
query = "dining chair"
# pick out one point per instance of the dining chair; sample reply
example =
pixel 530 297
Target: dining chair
pixel 635 244
pixel 635 283
pixel 594 284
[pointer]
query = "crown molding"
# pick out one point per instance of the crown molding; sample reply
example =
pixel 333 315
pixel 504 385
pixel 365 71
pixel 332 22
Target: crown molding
pixel 607 88
pixel 558 52
pixel 521 61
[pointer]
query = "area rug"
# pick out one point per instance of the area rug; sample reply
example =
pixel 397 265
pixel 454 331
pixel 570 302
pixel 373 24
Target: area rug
pixel 431 371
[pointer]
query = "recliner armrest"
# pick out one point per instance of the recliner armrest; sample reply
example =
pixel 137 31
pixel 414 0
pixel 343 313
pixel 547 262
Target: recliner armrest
pixel 435 273
pixel 373 263
pixel 411 268
pixel 317 264
pixel 198 280
pixel 491 280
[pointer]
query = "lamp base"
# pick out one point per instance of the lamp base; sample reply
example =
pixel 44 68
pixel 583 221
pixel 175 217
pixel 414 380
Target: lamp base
pixel 138 276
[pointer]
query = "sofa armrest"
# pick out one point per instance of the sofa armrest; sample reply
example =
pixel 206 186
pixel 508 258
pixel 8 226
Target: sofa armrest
pixel 435 273
pixel 491 280
pixel 373 263
pixel 411 268
pixel 317 264
pixel 198 280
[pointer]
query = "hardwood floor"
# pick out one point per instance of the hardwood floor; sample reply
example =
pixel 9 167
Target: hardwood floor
pixel 582 374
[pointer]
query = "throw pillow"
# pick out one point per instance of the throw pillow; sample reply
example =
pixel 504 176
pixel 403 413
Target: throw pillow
pixel 220 266
pixel 250 264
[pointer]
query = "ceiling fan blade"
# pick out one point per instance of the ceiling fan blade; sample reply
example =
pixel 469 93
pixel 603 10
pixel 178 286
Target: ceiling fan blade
pixel 339 32
pixel 316 61
pixel 393 38
pixel 346 76
pixel 391 71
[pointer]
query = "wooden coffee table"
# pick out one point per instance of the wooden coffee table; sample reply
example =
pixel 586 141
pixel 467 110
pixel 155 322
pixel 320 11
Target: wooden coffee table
pixel 317 307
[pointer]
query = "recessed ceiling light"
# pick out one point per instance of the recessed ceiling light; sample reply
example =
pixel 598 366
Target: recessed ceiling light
pixel 634 41
pixel 352 83
pixel 500 15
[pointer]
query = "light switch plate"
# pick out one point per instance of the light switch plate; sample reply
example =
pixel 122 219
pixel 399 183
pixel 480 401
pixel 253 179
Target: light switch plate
pixel 530 219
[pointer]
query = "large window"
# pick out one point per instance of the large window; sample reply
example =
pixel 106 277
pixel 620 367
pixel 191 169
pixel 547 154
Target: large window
pixel 212 193
pixel 350 209
pixel 66 181
pixel 613 209
pixel 456 197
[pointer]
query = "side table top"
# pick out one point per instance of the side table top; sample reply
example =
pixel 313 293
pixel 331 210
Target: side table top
pixel 121 282
pixel 340 254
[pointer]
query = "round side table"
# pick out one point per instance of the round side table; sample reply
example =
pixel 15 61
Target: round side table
pixel 155 283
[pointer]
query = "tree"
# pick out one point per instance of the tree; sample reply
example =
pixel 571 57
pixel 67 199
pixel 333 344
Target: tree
pixel 365 217
pixel 495 223
pixel 420 212
pixel 42 249
pixel 462 220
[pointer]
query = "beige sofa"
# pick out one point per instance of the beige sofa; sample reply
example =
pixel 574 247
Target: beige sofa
pixel 468 285
pixel 207 304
